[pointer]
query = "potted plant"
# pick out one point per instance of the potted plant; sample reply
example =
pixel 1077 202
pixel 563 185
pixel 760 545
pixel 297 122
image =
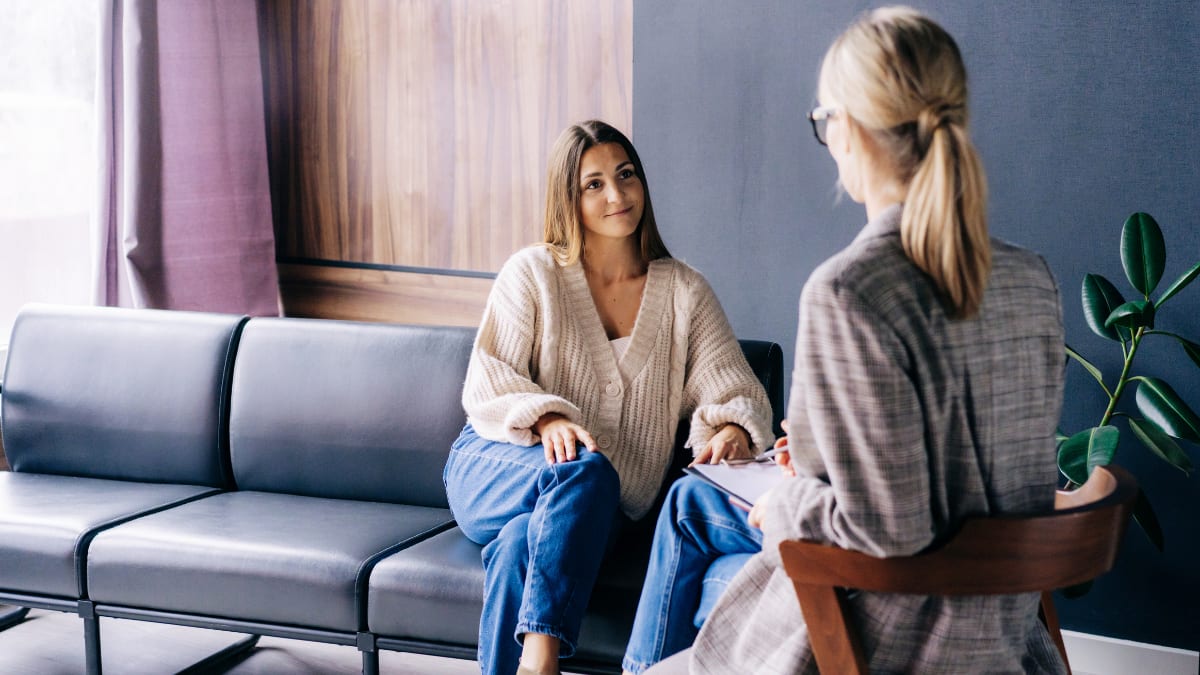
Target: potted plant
pixel 1162 417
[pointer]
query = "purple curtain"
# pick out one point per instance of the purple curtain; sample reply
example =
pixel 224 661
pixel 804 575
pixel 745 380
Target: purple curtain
pixel 184 220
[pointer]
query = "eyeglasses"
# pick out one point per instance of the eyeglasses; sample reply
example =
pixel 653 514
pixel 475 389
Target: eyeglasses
pixel 819 117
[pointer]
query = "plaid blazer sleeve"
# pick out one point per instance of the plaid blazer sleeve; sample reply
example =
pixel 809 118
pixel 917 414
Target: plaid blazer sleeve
pixel 856 432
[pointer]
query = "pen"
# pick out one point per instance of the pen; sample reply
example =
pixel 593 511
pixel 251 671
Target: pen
pixel 760 457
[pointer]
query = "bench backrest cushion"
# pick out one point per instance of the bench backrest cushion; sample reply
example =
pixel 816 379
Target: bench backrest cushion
pixel 766 360
pixel 122 394
pixel 347 410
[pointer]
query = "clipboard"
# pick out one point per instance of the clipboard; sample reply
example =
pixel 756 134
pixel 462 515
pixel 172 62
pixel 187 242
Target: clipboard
pixel 744 483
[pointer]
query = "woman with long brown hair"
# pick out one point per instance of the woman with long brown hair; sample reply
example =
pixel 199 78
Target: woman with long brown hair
pixel 593 346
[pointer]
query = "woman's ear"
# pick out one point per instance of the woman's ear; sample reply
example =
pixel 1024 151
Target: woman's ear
pixel 852 137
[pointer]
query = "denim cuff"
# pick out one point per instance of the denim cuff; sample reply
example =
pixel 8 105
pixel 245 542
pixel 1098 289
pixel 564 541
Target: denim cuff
pixel 566 646
pixel 635 667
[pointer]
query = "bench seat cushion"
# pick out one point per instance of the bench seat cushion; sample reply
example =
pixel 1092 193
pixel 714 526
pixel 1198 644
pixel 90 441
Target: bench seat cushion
pixel 433 591
pixel 44 520
pixel 253 556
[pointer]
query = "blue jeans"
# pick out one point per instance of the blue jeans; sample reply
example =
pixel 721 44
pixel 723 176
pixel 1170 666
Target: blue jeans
pixel 700 543
pixel 544 530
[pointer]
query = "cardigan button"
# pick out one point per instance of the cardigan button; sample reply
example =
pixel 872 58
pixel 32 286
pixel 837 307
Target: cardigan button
pixel 613 389
pixel 604 442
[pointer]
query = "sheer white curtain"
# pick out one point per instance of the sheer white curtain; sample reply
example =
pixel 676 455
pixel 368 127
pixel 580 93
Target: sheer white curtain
pixel 47 145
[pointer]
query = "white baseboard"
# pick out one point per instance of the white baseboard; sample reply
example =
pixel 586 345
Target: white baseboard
pixel 1099 655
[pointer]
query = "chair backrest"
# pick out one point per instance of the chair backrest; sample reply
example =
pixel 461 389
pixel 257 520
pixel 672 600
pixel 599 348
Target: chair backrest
pixel 127 394
pixel 996 555
pixel 347 410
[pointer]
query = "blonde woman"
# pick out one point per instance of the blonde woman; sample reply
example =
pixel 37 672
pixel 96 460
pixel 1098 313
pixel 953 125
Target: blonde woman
pixel 593 346
pixel 927 383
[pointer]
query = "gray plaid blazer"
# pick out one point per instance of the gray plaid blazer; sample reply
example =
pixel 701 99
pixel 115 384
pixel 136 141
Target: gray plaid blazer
pixel 902 423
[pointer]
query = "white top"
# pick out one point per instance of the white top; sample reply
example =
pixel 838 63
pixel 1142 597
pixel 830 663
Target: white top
pixel 542 349
pixel 619 346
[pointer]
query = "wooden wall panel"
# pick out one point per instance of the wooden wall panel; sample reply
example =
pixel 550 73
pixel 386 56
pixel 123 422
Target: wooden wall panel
pixel 415 132
pixel 360 294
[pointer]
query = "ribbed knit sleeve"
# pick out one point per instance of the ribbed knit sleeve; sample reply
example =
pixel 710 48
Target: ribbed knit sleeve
pixel 500 397
pixel 719 385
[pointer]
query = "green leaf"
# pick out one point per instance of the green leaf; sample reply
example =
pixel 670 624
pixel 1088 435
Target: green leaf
pixel 1086 450
pixel 1157 441
pixel 1159 403
pixel 1179 284
pixel 1087 365
pixel 1144 515
pixel 1190 348
pixel 1072 458
pixel 1100 298
pixel 1103 447
pixel 1142 252
pixel 1133 314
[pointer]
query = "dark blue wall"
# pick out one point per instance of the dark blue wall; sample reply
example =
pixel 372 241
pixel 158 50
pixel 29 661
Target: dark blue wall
pixel 1084 112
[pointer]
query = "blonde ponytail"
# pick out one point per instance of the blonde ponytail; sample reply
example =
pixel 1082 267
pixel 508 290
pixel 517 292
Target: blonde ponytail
pixel 944 224
pixel 901 77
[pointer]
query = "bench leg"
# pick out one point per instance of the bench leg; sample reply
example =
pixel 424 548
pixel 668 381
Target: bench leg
pixel 370 653
pixel 91 637
pixel 11 616
pixel 370 663
pixel 208 663
pixel 94 661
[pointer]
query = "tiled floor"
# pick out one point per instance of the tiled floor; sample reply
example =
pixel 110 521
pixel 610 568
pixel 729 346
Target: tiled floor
pixel 51 643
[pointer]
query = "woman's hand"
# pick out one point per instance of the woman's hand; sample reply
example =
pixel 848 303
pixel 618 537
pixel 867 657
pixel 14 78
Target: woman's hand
pixel 784 460
pixel 560 437
pixel 759 512
pixel 730 442
pixel 782 456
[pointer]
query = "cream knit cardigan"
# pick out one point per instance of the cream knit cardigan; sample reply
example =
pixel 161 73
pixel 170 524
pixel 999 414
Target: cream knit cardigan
pixel 542 349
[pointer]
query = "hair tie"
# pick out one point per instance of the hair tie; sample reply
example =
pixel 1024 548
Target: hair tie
pixel 933 117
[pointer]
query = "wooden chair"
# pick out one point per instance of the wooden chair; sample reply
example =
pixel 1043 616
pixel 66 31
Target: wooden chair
pixel 1075 543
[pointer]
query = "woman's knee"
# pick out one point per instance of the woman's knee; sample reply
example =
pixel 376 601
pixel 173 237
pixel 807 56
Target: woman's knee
pixel 594 470
pixel 490 482
pixel 690 491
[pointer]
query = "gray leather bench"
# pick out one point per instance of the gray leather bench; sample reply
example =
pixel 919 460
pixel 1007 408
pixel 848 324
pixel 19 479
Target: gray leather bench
pixel 267 476
pixel 107 415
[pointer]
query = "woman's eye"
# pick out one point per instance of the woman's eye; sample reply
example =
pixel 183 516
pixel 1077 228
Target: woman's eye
pixel 592 185
pixel 627 173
